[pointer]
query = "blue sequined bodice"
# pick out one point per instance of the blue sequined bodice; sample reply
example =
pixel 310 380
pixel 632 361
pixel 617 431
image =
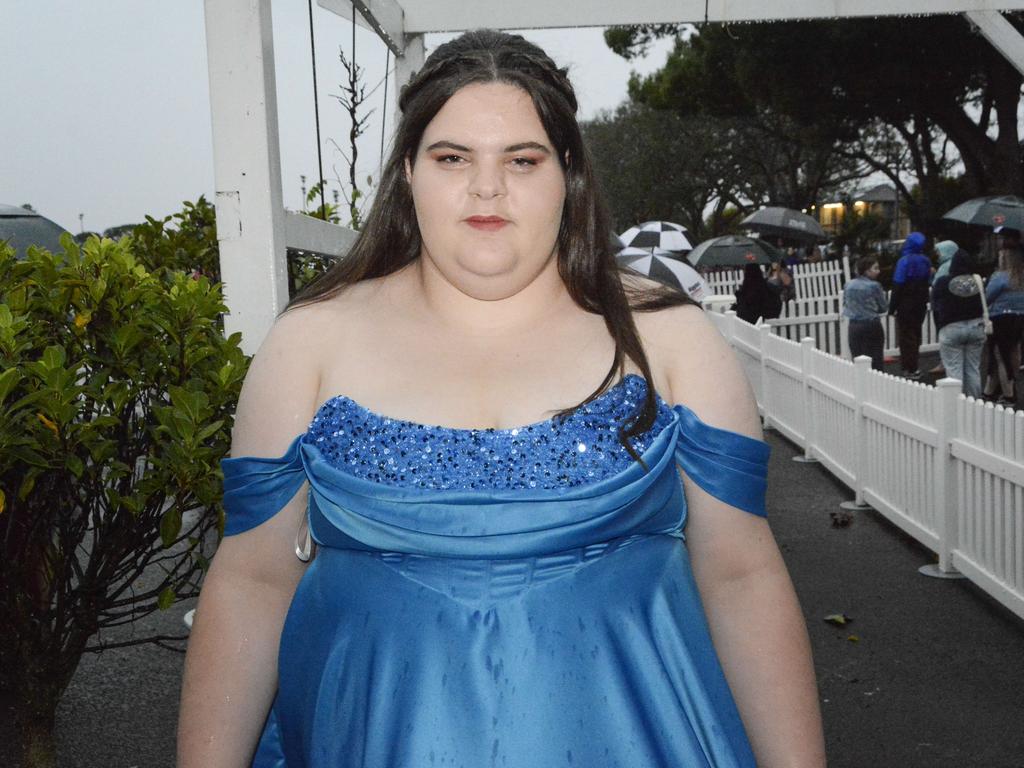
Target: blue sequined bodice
pixel 558 453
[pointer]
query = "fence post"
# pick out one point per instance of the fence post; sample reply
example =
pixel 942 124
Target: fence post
pixel 765 332
pixel 730 325
pixel 947 391
pixel 810 419
pixel 861 372
pixel 844 331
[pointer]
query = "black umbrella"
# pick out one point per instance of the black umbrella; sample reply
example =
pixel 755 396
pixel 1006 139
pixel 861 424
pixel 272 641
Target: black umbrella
pixel 994 211
pixel 661 266
pixel 733 251
pixel 21 228
pixel 785 222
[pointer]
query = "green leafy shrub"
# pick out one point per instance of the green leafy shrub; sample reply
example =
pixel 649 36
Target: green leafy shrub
pixel 117 389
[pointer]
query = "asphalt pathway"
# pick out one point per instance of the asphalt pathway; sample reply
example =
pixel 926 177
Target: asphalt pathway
pixel 928 674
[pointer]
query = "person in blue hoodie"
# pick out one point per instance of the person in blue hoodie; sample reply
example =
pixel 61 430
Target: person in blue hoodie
pixel 909 300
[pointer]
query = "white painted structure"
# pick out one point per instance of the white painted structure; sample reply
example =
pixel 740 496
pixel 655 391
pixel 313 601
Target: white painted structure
pixel 946 469
pixel 254 229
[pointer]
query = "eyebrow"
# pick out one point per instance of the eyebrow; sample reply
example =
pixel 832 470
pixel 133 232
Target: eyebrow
pixel 510 148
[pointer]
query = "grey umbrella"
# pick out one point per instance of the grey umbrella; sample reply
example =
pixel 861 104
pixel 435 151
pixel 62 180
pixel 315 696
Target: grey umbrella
pixel 21 228
pixel 993 211
pixel 733 251
pixel 785 222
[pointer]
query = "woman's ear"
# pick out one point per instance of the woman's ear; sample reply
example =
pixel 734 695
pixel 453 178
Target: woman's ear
pixel 408 170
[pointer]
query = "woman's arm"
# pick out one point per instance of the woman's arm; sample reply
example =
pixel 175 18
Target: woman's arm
pixel 756 623
pixel 231 666
pixel 879 295
pixel 996 285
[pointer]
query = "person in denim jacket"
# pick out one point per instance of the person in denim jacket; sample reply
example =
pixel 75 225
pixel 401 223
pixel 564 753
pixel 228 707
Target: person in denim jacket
pixel 863 305
pixel 1005 295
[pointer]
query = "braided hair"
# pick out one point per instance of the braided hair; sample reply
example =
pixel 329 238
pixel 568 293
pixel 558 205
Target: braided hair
pixel 390 238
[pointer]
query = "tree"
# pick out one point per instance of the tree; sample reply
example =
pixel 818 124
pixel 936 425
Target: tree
pixel 928 79
pixel 681 167
pixel 117 389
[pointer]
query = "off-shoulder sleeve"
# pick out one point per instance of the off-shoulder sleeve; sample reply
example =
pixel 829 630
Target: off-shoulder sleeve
pixel 255 488
pixel 731 467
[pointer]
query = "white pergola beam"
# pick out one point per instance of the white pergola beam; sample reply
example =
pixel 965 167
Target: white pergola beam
pixel 458 15
pixel 1003 36
pixel 246 165
pixel 382 16
pixel 316 235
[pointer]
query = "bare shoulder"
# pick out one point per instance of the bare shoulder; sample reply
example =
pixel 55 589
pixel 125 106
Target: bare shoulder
pixel 699 368
pixel 279 395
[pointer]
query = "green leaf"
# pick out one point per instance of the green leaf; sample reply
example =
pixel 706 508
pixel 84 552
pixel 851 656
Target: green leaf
pixel 838 619
pixel 170 526
pixel 166 599
pixel 54 357
pixel 8 379
pixel 74 465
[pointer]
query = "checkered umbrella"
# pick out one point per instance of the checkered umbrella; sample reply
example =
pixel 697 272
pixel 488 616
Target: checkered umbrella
pixel 661 266
pixel 663 235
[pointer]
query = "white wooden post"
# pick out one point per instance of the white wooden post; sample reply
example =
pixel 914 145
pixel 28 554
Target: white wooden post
pixel 1003 36
pixel 246 165
pixel 861 372
pixel 810 418
pixel 844 332
pixel 946 393
pixel 766 332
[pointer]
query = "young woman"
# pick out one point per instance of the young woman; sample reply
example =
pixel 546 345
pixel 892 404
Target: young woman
pixel 863 306
pixel 485 593
pixel 1005 295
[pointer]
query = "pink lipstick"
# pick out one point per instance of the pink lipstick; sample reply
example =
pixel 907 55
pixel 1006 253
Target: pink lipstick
pixel 487 223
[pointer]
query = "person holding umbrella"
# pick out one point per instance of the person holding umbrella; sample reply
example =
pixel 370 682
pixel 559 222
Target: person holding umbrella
pixel 909 301
pixel 755 298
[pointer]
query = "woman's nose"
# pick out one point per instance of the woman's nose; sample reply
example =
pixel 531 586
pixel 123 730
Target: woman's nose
pixel 487 181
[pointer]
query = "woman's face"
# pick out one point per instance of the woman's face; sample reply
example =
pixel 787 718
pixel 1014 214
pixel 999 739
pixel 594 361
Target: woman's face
pixel 873 271
pixel 488 190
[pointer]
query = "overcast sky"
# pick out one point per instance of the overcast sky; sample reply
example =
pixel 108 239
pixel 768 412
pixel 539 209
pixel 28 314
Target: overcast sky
pixel 106 104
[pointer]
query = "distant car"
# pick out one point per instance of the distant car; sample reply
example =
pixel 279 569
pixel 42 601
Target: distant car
pixel 21 228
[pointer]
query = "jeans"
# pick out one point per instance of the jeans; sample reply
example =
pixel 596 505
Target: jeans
pixel 867 337
pixel 960 345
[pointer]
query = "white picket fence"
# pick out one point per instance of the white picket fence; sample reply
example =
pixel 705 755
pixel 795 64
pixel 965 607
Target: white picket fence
pixel 825 278
pixel 817 310
pixel 946 469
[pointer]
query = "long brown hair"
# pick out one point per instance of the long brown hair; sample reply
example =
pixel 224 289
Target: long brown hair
pixel 391 238
pixel 1011 261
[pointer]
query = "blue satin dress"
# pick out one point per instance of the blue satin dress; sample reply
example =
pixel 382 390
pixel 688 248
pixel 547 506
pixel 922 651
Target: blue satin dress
pixel 518 598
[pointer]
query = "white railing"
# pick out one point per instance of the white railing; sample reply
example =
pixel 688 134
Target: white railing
pixel 946 469
pixel 825 278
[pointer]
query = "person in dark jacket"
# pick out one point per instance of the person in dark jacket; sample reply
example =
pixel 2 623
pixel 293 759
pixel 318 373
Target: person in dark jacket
pixel 961 325
pixel 755 298
pixel 909 300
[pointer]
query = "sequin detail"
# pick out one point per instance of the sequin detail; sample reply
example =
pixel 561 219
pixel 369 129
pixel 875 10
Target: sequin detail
pixel 557 453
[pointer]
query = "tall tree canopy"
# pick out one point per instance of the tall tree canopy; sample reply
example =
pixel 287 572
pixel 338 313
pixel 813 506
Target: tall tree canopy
pixel 871 83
